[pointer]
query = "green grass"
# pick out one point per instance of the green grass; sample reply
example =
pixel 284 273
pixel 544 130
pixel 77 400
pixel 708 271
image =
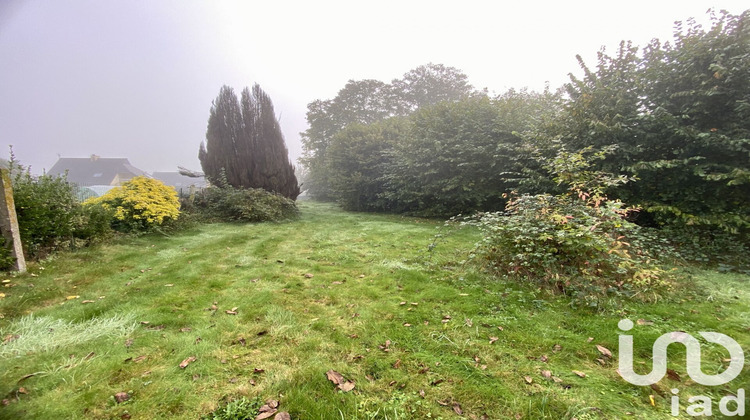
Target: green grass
pixel 291 328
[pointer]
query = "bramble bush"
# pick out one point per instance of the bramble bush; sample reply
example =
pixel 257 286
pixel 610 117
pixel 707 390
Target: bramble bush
pixel 578 243
pixel 140 204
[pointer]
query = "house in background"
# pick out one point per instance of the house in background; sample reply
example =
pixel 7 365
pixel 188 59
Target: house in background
pixel 96 171
pixel 183 184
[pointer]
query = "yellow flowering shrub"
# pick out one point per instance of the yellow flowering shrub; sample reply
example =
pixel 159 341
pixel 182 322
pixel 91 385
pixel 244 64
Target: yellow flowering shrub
pixel 140 204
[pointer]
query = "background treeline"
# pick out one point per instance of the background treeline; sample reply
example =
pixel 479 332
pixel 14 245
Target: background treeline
pixel 674 115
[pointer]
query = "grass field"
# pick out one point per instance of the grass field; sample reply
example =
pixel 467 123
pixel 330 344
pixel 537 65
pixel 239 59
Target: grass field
pixel 419 334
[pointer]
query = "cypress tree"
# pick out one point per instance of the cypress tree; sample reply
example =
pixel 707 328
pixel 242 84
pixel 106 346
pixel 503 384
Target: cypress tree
pixel 244 141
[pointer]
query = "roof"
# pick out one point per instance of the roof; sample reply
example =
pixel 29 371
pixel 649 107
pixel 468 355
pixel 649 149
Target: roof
pixel 95 170
pixel 178 181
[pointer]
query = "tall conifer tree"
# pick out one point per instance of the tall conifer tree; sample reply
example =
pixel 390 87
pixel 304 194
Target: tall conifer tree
pixel 244 140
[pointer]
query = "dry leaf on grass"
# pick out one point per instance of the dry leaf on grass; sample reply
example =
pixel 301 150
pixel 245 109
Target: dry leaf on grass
pixel 187 361
pixel 604 351
pixel 493 339
pixel 547 374
pixel 579 373
pixel 340 382
pixel 283 416
pixel 457 408
pixel 528 379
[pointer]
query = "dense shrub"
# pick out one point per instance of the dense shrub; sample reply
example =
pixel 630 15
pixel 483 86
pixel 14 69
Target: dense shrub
pixel 578 243
pixel 45 207
pixel 50 215
pixel 229 204
pixel 140 204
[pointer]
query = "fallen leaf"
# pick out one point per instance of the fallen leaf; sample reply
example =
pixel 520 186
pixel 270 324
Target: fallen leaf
pixel 528 379
pixel 543 358
pixel 651 398
pixel 283 416
pixel 140 358
pixel 579 373
pixel 406 324
pixel 232 312
pixel 186 329
pixel 145 322
pixel 72 297
pixel 468 322
pixel 557 380
pixel 421 393
pixel 187 361
pixel 590 339
pixel 346 386
pixel 10 338
pixel 258 370
pixel 337 282
pixel 604 351
pixel 169 285
pixel 644 322
pixel 88 301
pixel 22 390
pixel 500 328
pixel 335 377
pixel 556 348
pixel 397 364
pixel 493 339
pixel 547 374
pixel 457 408
pixel 121 397
pixel 309 275
pixel 266 414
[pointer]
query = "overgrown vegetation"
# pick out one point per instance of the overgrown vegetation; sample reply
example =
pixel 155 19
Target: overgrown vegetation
pixel 579 242
pixel 229 204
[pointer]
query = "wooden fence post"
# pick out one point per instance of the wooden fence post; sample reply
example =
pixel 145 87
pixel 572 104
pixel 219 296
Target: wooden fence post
pixel 9 222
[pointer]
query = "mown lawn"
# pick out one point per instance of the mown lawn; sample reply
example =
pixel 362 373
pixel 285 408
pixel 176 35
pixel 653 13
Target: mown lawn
pixel 419 334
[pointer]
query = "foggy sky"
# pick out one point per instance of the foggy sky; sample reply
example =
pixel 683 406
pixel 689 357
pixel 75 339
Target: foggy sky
pixel 136 78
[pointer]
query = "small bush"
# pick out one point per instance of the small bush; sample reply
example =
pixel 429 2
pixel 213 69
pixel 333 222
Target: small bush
pixel 230 204
pixel 140 204
pixel 578 243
